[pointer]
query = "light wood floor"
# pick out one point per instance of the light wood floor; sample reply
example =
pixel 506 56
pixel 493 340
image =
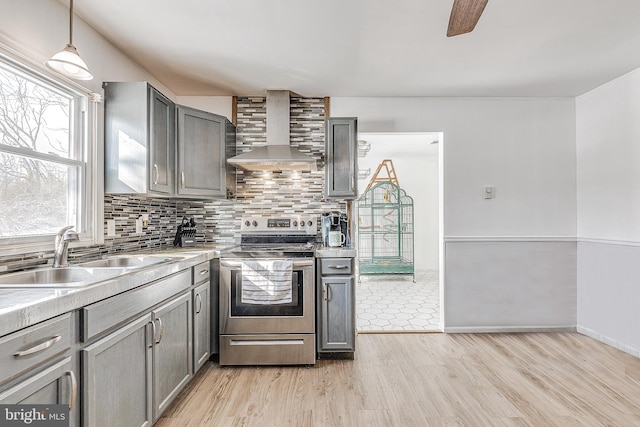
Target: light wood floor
pixel 564 379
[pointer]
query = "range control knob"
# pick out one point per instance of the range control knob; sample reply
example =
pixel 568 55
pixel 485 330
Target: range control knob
pixel 309 223
pixel 295 223
pixel 301 223
pixel 247 223
pixel 254 223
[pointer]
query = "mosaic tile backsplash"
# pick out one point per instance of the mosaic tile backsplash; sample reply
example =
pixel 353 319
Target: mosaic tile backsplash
pixel 258 193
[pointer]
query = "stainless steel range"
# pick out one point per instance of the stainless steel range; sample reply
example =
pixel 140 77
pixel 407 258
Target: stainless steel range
pixel 267 288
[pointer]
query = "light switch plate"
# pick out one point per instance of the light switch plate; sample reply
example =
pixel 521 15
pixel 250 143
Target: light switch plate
pixel 111 227
pixel 489 192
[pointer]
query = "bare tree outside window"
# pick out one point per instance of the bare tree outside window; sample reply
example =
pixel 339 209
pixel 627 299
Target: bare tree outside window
pixel 40 168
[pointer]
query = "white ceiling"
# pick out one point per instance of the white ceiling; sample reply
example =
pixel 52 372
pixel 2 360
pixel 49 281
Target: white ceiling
pixel 372 47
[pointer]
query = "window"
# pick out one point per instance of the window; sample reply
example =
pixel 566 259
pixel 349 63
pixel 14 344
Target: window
pixel 43 156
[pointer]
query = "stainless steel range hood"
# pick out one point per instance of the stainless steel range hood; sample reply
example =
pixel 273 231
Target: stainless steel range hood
pixel 277 154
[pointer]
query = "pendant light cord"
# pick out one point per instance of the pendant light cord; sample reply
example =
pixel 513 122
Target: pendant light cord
pixel 71 22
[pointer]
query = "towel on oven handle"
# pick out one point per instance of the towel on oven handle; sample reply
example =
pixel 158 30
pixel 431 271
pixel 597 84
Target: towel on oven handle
pixel 267 282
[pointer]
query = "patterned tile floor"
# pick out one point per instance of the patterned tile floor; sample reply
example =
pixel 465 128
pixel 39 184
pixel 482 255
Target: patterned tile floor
pixel 396 303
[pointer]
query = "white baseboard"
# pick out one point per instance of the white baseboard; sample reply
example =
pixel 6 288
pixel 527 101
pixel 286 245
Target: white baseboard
pixel 506 329
pixel 609 341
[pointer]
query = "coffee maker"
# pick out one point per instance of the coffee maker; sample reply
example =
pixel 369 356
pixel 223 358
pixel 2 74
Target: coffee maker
pixel 334 221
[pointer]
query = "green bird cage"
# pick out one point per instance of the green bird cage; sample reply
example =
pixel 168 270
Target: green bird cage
pixel 385 231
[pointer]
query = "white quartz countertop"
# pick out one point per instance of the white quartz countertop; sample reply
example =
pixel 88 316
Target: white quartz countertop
pixel 329 252
pixel 23 307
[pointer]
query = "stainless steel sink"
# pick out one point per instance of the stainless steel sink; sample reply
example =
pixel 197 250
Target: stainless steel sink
pixel 58 277
pixel 80 275
pixel 127 262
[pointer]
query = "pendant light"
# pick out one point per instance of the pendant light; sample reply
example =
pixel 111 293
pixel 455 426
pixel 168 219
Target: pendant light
pixel 68 62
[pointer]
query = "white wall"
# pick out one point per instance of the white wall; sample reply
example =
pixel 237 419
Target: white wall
pixel 36 29
pixel 608 156
pixel 525 147
pixel 39 28
pixel 608 226
pixel 420 180
pixel 214 104
pixel 531 287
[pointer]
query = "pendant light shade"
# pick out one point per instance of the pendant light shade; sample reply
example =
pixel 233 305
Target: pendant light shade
pixel 68 62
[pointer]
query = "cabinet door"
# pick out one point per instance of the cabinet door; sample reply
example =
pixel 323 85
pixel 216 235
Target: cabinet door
pixel 172 351
pixel 201 153
pixel 116 370
pixel 337 314
pixel 201 319
pixel 162 142
pixel 214 307
pixel 341 155
pixel 55 385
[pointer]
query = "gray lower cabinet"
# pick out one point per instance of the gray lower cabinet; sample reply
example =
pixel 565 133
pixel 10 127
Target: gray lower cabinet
pixel 201 321
pixel 336 306
pixel 56 384
pixel 117 377
pixel 214 306
pixel 37 366
pixel 172 351
pixel 134 373
pixel 341 156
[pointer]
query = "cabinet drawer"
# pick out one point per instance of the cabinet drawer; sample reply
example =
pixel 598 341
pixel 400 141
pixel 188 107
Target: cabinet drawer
pixel 332 266
pixel 30 347
pixel 201 272
pixel 103 315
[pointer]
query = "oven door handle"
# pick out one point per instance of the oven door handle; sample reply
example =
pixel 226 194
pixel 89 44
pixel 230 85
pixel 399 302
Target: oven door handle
pixel 238 263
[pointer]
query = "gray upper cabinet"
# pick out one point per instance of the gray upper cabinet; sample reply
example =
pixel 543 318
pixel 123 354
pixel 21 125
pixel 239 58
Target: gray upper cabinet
pixel 154 147
pixel 162 142
pixel 139 139
pixel 201 153
pixel 341 157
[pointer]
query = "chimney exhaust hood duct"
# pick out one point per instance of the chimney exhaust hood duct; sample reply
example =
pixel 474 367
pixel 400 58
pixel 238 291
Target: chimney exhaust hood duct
pixel 277 154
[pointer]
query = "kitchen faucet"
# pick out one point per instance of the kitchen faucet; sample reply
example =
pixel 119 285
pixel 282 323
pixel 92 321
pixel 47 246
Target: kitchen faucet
pixel 64 236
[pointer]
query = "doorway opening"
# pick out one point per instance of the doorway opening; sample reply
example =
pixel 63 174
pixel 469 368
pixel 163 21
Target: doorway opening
pixel 392 303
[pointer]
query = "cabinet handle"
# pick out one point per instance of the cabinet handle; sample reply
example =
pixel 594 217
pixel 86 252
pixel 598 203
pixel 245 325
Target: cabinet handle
pixel 203 272
pixel 324 292
pixel 198 303
pixel 74 389
pixel 339 267
pixel 182 178
pixel 155 168
pixel 153 334
pixel 161 327
pixel 39 347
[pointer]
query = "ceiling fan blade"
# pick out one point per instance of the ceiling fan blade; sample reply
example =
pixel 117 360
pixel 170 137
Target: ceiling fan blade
pixel 464 16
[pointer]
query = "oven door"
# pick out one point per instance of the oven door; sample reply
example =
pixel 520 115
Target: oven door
pixel 241 314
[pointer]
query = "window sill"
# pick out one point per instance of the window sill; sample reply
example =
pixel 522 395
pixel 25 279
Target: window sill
pixel 41 245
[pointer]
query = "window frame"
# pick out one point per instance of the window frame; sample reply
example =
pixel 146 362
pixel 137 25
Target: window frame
pixel 84 124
